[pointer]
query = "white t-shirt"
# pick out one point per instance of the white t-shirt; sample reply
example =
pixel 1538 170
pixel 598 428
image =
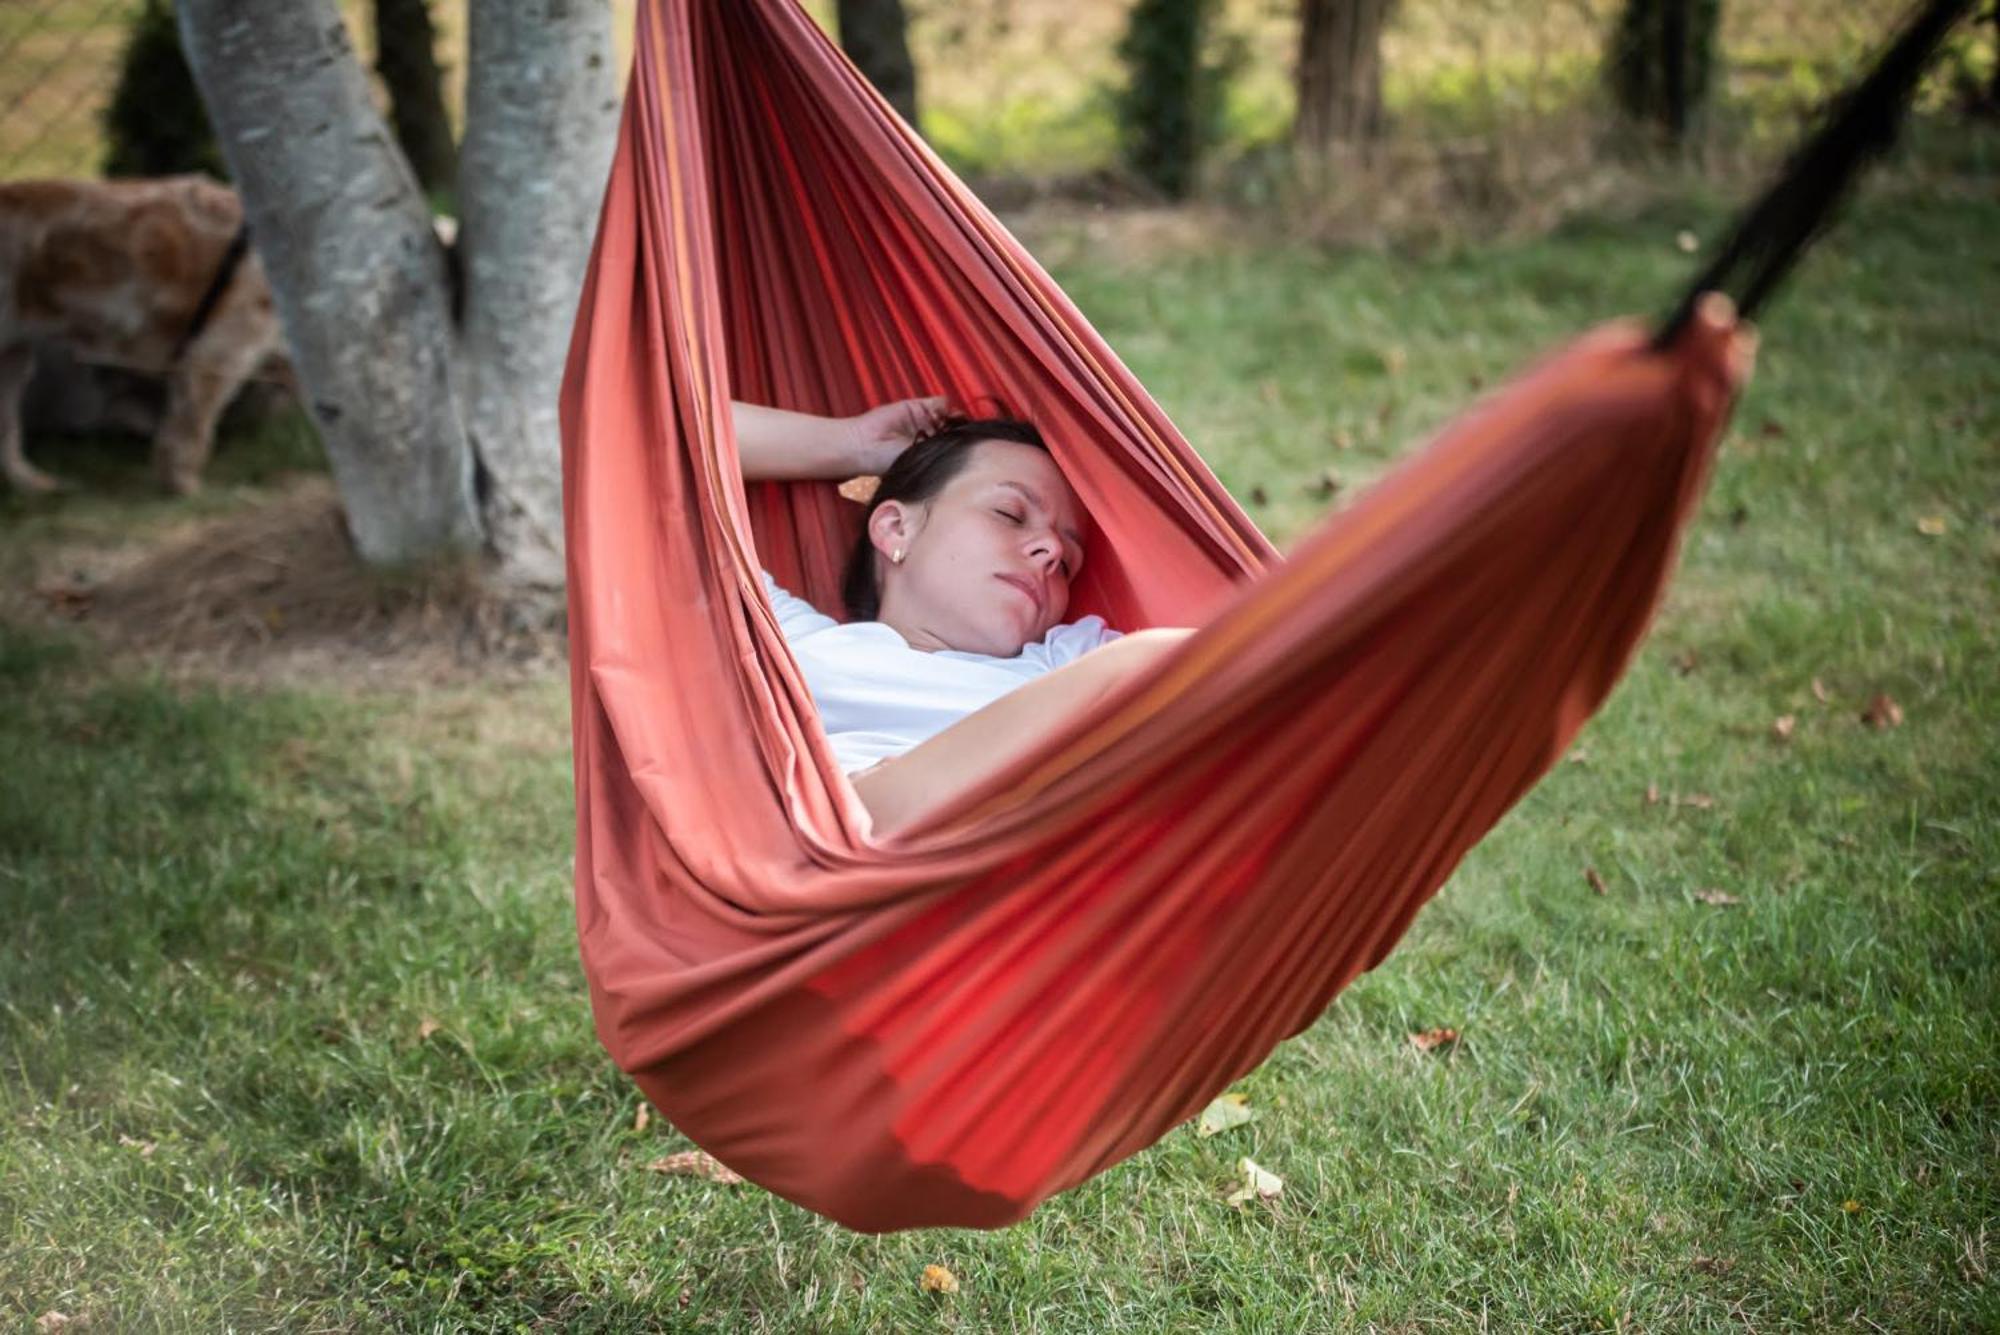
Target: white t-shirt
pixel 877 697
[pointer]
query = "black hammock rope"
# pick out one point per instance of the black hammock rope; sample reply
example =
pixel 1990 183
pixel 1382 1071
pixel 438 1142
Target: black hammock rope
pixel 1857 127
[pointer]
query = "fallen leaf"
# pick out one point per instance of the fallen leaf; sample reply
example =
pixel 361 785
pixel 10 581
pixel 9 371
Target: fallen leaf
pixel 1686 661
pixel 686 1297
pixel 642 1118
pixel 860 490
pixel 426 1027
pixel 145 1147
pixel 1224 1112
pixel 1851 1206
pixel 1432 1039
pixel 1712 895
pixel 1820 693
pixel 70 600
pixel 1652 794
pixel 1258 1183
pixel 1686 242
pixel 51 1321
pixel 1714 1265
pixel 1596 880
pixel 1783 727
pixel 936 1279
pixel 1342 438
pixel 1931 526
pixel 1882 712
pixel 696 1163
pixel 1699 801
pixel 1394 359
pixel 1578 755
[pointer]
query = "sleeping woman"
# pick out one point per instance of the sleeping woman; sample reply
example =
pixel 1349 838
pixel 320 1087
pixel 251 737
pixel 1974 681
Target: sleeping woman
pixel 957 659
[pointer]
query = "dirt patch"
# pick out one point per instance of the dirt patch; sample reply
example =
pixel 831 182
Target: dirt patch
pixel 273 593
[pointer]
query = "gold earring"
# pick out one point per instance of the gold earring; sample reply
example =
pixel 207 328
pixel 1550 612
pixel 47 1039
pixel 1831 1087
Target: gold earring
pixel 898 557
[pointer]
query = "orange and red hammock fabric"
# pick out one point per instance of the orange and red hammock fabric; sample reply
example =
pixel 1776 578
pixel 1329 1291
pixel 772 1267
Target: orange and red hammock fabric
pixel 1028 986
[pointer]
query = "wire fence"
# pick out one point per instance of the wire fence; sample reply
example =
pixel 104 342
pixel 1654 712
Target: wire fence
pixel 1025 86
pixel 58 66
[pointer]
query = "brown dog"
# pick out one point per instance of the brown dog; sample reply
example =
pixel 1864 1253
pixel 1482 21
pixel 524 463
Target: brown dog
pixel 115 272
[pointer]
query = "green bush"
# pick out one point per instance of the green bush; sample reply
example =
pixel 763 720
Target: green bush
pixel 1170 107
pixel 1639 66
pixel 156 124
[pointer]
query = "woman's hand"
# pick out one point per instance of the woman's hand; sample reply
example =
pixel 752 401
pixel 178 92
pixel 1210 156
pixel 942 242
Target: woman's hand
pixel 877 436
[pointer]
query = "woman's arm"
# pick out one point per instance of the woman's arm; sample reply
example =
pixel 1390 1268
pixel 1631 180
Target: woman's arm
pixel 898 789
pixel 776 445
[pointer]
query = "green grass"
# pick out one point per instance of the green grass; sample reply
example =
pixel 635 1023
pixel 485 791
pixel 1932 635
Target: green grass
pixel 231 914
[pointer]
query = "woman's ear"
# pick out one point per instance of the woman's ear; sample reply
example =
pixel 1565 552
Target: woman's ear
pixel 891 528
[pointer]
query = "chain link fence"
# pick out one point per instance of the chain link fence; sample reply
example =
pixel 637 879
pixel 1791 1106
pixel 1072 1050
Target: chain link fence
pixel 58 66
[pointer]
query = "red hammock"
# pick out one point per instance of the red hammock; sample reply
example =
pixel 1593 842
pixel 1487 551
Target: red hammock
pixel 1027 987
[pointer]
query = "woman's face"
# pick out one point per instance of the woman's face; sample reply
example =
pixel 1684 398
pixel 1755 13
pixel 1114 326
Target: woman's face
pixel 987 562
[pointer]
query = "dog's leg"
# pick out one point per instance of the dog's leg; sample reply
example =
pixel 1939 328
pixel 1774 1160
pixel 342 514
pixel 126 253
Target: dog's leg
pixel 17 363
pixel 209 376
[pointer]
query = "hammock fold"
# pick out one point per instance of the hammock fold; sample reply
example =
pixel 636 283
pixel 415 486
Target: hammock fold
pixel 1045 976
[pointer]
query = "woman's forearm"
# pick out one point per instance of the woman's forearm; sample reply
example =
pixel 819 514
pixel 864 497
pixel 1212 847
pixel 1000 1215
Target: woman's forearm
pixel 776 445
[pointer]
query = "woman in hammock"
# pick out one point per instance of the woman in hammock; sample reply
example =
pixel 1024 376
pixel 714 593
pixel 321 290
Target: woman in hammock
pixel 958 658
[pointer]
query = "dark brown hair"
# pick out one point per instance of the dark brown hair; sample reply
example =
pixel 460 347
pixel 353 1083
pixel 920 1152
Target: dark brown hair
pixel 919 473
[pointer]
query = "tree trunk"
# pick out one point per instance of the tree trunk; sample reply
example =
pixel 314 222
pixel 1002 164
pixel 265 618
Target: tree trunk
pixel 406 58
pixel 875 35
pixel 357 272
pixel 541 117
pixel 1339 74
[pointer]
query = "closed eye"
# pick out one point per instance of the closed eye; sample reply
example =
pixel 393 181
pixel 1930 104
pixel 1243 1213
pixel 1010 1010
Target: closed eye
pixel 1022 519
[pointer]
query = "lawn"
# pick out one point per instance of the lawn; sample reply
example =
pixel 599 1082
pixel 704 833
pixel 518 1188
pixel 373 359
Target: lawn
pixel 295 1036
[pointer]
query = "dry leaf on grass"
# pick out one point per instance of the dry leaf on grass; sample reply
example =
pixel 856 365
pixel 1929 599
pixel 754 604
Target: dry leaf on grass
pixel 1932 526
pixel 1686 242
pixel 1783 727
pixel 642 1118
pixel 1699 801
pixel 937 1279
pixel 1713 895
pixel 696 1163
pixel 1652 794
pixel 145 1147
pixel 426 1027
pixel 1820 693
pixel 1258 1184
pixel 1851 1206
pixel 1597 886
pixel 1224 1112
pixel 1430 1040
pixel 1686 661
pixel 49 1321
pixel 1882 712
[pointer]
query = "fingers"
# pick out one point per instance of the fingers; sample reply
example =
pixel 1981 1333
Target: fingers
pixel 1718 312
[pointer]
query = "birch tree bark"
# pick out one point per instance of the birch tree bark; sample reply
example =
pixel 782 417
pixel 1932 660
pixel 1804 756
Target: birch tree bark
pixel 439 438
pixel 541 117
pixel 355 268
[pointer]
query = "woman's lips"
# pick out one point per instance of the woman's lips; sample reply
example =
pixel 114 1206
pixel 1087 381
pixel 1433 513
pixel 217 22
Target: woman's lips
pixel 1034 594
